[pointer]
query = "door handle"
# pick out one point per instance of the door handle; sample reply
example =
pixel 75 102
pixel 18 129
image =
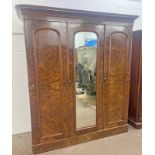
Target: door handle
pixel 105 78
pixel 70 82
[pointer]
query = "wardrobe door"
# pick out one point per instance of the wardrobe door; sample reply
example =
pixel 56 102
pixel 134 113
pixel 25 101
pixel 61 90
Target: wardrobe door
pixel 85 77
pixel 47 69
pixel 116 75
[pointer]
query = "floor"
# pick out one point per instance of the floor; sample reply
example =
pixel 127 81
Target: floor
pixel 128 143
pixel 85 110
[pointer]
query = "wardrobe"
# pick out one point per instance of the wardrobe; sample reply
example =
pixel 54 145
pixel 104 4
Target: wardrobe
pixel 79 74
pixel 135 100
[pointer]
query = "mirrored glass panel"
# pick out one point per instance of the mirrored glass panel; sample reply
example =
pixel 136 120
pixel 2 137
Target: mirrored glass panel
pixel 85 61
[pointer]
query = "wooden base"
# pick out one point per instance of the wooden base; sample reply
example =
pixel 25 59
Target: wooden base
pixel 78 139
pixel 136 125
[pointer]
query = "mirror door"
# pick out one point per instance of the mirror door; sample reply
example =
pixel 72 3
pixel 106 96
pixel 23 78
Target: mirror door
pixel 85 77
pixel 85 56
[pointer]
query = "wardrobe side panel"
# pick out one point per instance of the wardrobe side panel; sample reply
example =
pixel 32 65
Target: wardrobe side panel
pixel 135 106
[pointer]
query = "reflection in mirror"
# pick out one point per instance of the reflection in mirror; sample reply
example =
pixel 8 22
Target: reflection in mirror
pixel 85 61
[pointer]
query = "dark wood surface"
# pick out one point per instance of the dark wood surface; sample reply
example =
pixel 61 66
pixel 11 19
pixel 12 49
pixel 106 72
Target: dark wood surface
pixel 43 12
pixel 49 35
pixel 135 106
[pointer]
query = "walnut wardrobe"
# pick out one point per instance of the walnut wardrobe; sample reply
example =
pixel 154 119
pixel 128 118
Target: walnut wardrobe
pixel 135 99
pixel 79 74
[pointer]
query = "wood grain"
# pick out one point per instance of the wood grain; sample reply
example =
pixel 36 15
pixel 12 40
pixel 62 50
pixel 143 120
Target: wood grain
pixel 117 74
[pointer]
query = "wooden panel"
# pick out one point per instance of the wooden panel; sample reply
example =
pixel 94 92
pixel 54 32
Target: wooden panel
pixel 117 57
pixel 48 52
pixel 135 106
pixel 77 139
pixel 115 77
pixel 50 72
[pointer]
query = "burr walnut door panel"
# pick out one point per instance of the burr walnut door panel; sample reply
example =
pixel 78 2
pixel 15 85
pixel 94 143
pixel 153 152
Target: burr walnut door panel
pixel 98 31
pixel 47 67
pixel 116 75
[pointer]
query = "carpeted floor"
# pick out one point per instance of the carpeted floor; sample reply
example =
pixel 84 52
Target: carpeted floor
pixel 128 143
